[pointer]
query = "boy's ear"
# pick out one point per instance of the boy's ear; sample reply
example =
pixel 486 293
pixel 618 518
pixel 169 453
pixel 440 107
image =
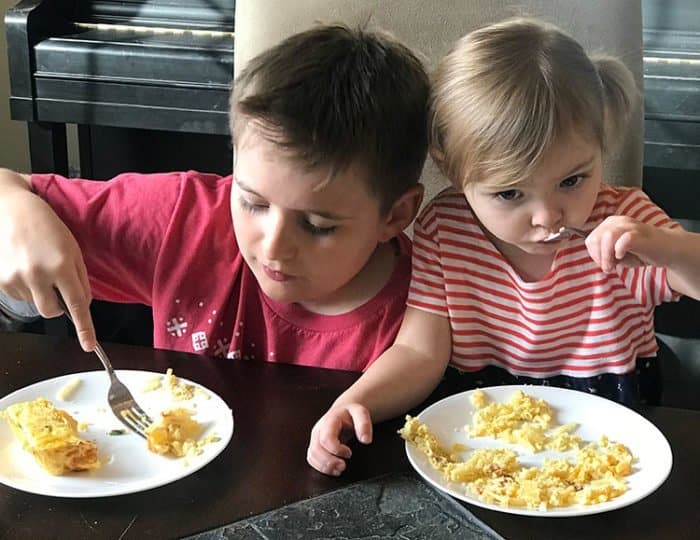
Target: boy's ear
pixel 402 212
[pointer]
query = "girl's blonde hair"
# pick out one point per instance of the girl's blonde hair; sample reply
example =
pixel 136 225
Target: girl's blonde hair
pixel 506 91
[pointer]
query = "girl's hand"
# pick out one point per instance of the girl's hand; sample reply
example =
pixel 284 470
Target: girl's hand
pixel 327 449
pixel 38 254
pixel 621 240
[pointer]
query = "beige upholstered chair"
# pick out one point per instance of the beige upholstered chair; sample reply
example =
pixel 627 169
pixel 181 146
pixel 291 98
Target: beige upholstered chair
pixel 430 28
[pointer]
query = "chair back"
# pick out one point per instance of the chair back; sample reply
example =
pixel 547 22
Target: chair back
pixel 431 28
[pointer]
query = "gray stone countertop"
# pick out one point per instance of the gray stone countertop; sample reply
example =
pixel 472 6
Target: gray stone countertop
pixel 391 506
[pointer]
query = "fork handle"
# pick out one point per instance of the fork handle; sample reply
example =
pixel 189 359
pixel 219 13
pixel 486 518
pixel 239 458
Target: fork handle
pixel 99 351
pixel 102 355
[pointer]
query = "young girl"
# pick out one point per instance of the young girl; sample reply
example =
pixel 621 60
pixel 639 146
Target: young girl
pixel 298 257
pixel 520 118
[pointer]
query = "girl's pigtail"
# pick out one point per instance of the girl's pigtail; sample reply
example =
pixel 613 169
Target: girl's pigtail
pixel 620 96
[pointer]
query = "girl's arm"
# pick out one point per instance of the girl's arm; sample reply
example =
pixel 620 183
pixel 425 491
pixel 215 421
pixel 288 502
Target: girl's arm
pixel 675 249
pixel 39 254
pixel 399 379
pixel 683 265
pixel 408 371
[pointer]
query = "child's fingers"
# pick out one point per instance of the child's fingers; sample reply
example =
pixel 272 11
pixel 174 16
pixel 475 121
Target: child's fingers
pixel 608 260
pixel 84 279
pixel 44 298
pixel 77 301
pixel 362 421
pixel 326 453
pixel 329 433
pixel 17 292
pixel 324 462
pixel 622 253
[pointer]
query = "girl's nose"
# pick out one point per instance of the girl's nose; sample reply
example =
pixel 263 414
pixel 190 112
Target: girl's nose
pixel 547 215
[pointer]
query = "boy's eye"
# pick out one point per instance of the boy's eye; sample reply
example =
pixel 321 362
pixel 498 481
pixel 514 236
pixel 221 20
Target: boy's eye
pixel 250 206
pixel 572 181
pixel 315 229
pixel 508 195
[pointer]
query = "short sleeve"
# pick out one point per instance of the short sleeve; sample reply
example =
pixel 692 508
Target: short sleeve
pixel 119 224
pixel 427 290
pixel 648 284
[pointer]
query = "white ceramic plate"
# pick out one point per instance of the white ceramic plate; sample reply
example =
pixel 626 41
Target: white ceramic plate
pixel 127 465
pixel 594 415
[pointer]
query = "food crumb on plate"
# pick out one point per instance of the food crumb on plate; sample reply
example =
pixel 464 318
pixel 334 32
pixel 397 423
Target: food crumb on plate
pixel 67 390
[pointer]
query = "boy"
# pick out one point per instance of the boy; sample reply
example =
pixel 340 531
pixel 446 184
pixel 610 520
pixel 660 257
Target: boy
pixel 297 257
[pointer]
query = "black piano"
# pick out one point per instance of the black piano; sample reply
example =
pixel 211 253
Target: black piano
pixel 130 85
pixel 671 37
pixel 130 67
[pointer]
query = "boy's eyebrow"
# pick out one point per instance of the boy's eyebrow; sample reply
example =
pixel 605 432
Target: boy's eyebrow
pixel 321 213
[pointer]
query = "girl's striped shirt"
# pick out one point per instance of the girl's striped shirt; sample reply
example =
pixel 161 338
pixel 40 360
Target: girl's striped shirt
pixel 576 321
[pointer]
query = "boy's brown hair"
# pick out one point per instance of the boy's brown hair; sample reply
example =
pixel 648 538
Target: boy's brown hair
pixel 336 97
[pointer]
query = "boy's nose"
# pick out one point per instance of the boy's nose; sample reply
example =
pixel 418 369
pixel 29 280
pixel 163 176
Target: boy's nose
pixel 278 243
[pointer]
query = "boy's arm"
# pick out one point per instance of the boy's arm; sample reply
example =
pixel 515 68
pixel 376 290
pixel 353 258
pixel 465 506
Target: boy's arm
pixel 399 379
pixel 38 254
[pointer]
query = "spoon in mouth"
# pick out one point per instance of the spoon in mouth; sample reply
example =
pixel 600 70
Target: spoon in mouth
pixel 565 232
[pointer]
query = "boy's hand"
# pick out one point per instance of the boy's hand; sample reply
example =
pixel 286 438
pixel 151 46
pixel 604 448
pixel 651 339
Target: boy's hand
pixel 38 254
pixel 621 240
pixel 327 452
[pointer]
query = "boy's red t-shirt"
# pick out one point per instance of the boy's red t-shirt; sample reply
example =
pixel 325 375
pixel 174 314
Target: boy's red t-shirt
pixel 167 241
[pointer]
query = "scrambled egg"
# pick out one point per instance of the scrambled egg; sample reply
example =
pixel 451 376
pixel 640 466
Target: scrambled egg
pixel 521 420
pixel 176 433
pixel 178 389
pixel 67 390
pixel 597 474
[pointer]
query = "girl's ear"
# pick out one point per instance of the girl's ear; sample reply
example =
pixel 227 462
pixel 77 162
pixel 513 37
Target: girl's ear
pixel 438 158
pixel 402 212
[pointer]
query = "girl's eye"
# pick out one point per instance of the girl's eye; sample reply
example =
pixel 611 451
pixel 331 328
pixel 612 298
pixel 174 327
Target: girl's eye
pixel 509 195
pixel 251 207
pixel 315 229
pixel 572 181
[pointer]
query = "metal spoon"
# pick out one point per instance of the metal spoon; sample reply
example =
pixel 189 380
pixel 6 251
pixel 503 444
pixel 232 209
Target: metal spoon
pixel 565 232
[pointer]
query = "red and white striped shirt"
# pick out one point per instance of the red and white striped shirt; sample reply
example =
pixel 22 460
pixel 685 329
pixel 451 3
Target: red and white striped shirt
pixel 576 321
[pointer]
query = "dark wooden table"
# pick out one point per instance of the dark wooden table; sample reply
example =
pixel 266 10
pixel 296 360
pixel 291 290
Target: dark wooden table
pixel 264 467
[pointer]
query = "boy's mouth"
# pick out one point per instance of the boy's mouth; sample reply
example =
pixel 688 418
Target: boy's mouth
pixel 275 275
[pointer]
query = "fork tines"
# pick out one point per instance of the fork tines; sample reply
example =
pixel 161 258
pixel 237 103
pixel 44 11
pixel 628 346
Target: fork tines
pixel 136 420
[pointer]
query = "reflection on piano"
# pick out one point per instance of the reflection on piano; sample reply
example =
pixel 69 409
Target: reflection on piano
pixel 146 64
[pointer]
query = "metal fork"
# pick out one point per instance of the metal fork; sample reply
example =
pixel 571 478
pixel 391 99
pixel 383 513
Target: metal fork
pixel 120 400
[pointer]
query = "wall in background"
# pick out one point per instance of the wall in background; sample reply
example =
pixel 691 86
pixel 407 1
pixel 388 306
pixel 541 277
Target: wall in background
pixel 14 150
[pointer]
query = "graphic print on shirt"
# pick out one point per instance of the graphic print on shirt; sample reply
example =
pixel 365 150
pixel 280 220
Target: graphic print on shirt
pixel 199 341
pixel 176 326
pixel 221 348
